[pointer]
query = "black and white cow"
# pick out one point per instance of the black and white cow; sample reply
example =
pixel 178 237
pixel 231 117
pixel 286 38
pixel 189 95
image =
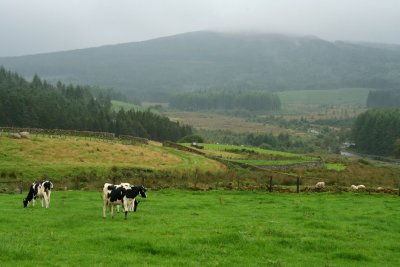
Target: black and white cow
pixel 40 189
pixel 123 194
pixel 137 190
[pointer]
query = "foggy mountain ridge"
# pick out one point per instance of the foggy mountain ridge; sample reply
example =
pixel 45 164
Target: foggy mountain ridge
pixel 157 68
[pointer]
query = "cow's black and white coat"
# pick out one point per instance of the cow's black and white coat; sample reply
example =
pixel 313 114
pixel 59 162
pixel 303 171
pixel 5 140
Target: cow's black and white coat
pixel 40 189
pixel 123 194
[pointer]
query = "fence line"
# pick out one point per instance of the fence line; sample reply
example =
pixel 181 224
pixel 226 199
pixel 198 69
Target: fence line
pixel 193 182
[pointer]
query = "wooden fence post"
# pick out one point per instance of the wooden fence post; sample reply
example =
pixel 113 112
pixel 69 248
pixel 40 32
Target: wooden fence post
pixel 298 184
pixel 20 187
pixel 143 180
pixel 270 184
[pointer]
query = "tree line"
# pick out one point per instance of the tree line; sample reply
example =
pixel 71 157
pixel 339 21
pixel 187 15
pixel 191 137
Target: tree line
pixel 225 99
pixel 377 131
pixel 38 104
pixel 383 98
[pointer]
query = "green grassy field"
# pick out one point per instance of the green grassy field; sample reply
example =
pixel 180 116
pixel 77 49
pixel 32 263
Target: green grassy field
pixel 223 147
pixel 255 155
pixel 214 228
pixel 117 105
pixel 270 162
pixel 335 166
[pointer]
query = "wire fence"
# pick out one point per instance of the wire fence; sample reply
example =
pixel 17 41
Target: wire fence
pixel 267 182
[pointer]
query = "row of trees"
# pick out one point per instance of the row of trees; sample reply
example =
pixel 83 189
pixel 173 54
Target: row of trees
pixel 377 130
pixel 383 98
pixel 204 100
pixel 42 105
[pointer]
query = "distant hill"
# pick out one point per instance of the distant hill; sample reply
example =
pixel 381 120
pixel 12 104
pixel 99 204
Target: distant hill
pixel 155 69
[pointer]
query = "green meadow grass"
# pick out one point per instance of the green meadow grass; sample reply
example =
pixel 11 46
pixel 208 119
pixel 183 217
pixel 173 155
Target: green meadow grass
pixel 223 147
pixel 214 228
pixel 117 105
pixel 270 162
pixel 335 166
pixel 289 158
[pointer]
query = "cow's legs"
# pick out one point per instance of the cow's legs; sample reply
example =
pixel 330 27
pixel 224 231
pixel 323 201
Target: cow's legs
pixel 125 206
pixel 41 200
pixel 46 200
pixel 105 205
pixel 112 211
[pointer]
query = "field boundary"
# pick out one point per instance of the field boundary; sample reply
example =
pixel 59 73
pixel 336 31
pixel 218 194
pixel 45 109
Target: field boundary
pixel 87 134
pixel 319 163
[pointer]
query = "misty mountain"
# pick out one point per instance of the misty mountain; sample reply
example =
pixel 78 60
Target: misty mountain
pixel 157 68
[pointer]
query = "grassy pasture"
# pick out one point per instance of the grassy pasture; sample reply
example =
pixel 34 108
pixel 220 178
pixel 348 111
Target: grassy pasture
pixel 233 153
pixel 213 228
pixel 261 162
pixel 59 157
pixel 227 148
pixel 117 105
pixel 335 166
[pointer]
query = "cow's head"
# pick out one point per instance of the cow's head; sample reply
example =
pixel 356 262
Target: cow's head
pixel 142 191
pixel 25 201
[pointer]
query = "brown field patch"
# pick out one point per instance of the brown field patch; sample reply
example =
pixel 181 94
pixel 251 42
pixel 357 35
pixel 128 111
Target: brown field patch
pixel 209 121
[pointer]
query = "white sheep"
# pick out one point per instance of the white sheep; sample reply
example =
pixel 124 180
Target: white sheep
pixel 358 187
pixel 320 185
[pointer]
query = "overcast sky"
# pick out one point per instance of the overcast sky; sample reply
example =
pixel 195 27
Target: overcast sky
pixel 36 26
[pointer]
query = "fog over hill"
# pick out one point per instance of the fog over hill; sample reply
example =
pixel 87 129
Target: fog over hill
pixel 155 69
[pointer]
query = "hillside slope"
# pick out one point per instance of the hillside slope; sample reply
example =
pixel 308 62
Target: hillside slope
pixel 68 157
pixel 156 68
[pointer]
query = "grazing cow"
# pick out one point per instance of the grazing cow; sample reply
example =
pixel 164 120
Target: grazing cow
pixel 132 204
pixel 136 190
pixel 41 190
pixel 121 195
pixel 320 185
